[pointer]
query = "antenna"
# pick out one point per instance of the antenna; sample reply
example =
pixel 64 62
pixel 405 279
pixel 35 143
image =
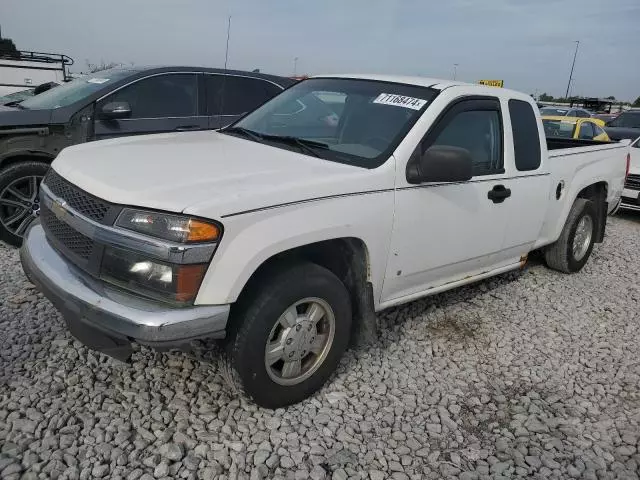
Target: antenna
pixel 226 53
pixel 224 77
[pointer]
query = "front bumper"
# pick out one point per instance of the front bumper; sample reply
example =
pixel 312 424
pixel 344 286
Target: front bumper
pixel 107 319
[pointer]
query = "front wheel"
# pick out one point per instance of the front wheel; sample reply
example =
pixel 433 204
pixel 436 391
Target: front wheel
pixel 19 201
pixel 288 339
pixel 572 250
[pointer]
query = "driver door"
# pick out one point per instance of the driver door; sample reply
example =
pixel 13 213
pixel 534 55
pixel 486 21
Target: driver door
pixel 160 103
pixel 446 232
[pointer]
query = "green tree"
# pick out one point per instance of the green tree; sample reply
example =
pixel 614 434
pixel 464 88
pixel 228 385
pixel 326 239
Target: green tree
pixel 7 47
pixel 545 97
pixel 636 103
pixel 611 97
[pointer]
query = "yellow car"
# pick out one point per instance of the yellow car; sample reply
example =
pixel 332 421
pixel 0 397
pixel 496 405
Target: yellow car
pixel 574 127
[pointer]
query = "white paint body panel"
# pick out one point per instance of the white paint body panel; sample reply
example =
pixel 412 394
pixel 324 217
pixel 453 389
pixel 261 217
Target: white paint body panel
pixel 419 239
pixel 22 74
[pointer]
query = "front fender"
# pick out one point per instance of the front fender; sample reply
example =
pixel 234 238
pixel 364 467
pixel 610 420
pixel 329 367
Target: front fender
pixel 251 239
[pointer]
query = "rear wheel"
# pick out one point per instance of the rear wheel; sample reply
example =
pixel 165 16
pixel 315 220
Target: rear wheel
pixel 572 250
pixel 288 339
pixel 19 201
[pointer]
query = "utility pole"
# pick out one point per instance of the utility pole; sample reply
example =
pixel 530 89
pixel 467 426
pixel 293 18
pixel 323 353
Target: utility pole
pixel 455 70
pixel 226 53
pixel 295 66
pixel 575 54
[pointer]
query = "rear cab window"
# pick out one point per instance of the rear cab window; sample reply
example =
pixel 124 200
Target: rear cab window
pixel 526 139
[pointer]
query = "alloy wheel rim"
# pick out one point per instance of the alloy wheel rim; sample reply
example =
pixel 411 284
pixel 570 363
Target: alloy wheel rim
pixel 20 204
pixel 582 237
pixel 300 341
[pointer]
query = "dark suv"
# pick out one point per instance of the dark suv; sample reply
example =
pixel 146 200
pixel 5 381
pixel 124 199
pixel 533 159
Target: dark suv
pixel 108 104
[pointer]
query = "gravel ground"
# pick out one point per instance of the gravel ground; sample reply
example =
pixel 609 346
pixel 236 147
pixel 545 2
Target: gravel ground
pixel 533 374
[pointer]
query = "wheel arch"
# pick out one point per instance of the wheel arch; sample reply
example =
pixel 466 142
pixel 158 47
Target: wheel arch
pixel 597 193
pixel 348 258
pixel 26 156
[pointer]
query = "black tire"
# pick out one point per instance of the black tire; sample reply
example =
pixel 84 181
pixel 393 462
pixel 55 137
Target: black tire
pixel 244 359
pixel 8 176
pixel 559 256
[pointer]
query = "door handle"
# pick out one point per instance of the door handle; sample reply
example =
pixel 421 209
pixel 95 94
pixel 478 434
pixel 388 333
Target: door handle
pixel 186 128
pixel 498 193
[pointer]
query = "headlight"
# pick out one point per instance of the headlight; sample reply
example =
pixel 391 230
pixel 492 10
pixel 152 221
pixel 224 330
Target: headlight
pixel 174 283
pixel 175 228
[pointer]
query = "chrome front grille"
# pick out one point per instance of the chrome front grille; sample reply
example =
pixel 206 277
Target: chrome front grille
pixel 77 199
pixel 633 182
pixel 67 237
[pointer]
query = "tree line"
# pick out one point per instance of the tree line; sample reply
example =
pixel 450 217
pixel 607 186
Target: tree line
pixel 545 97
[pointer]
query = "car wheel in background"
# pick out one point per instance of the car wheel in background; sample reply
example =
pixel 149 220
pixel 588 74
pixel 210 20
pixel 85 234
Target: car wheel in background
pixel 19 200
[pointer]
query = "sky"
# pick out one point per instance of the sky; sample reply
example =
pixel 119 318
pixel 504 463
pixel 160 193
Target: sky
pixel 527 43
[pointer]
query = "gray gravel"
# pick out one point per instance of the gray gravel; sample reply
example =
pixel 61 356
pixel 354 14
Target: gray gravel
pixel 533 374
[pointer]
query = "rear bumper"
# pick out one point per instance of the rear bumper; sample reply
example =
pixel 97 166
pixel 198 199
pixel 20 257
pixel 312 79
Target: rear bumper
pixel 630 199
pixel 109 320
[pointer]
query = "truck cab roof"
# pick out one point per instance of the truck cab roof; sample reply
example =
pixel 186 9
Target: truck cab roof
pixel 435 83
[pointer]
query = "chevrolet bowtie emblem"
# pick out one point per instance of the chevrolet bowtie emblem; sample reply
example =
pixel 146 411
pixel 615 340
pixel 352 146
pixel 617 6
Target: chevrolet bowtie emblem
pixel 59 208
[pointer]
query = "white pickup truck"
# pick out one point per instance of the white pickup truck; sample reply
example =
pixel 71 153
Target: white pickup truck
pixel 283 234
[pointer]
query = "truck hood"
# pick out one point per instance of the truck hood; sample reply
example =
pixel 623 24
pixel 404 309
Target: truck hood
pixel 15 117
pixel 207 173
pixel 620 133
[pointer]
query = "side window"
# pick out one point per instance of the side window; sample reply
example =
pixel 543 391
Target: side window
pixel 476 130
pixel 598 130
pixel 213 85
pixel 242 95
pixel 170 95
pixel 571 113
pixel 526 142
pixel 586 131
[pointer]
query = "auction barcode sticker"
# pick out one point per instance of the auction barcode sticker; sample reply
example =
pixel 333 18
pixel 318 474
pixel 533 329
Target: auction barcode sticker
pixel 98 80
pixel 400 101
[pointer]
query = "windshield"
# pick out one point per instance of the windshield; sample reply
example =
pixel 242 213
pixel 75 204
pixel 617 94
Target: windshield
pixel 358 122
pixel 626 120
pixel 557 112
pixel 558 128
pixel 71 92
pixel 16 96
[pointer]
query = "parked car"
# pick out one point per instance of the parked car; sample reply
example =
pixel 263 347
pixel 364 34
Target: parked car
pixel 631 192
pixel 625 125
pixel 578 128
pixel 284 238
pixel 565 112
pixel 109 104
pixel 606 117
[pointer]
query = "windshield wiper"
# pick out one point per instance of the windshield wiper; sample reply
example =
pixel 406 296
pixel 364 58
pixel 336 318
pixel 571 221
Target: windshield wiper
pixel 255 136
pixel 304 144
pixel 15 104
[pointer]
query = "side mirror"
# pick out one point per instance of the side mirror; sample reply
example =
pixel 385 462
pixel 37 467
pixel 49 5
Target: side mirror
pixel 115 111
pixel 441 163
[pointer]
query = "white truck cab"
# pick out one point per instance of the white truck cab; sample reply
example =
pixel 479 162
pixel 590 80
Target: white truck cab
pixel 283 234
